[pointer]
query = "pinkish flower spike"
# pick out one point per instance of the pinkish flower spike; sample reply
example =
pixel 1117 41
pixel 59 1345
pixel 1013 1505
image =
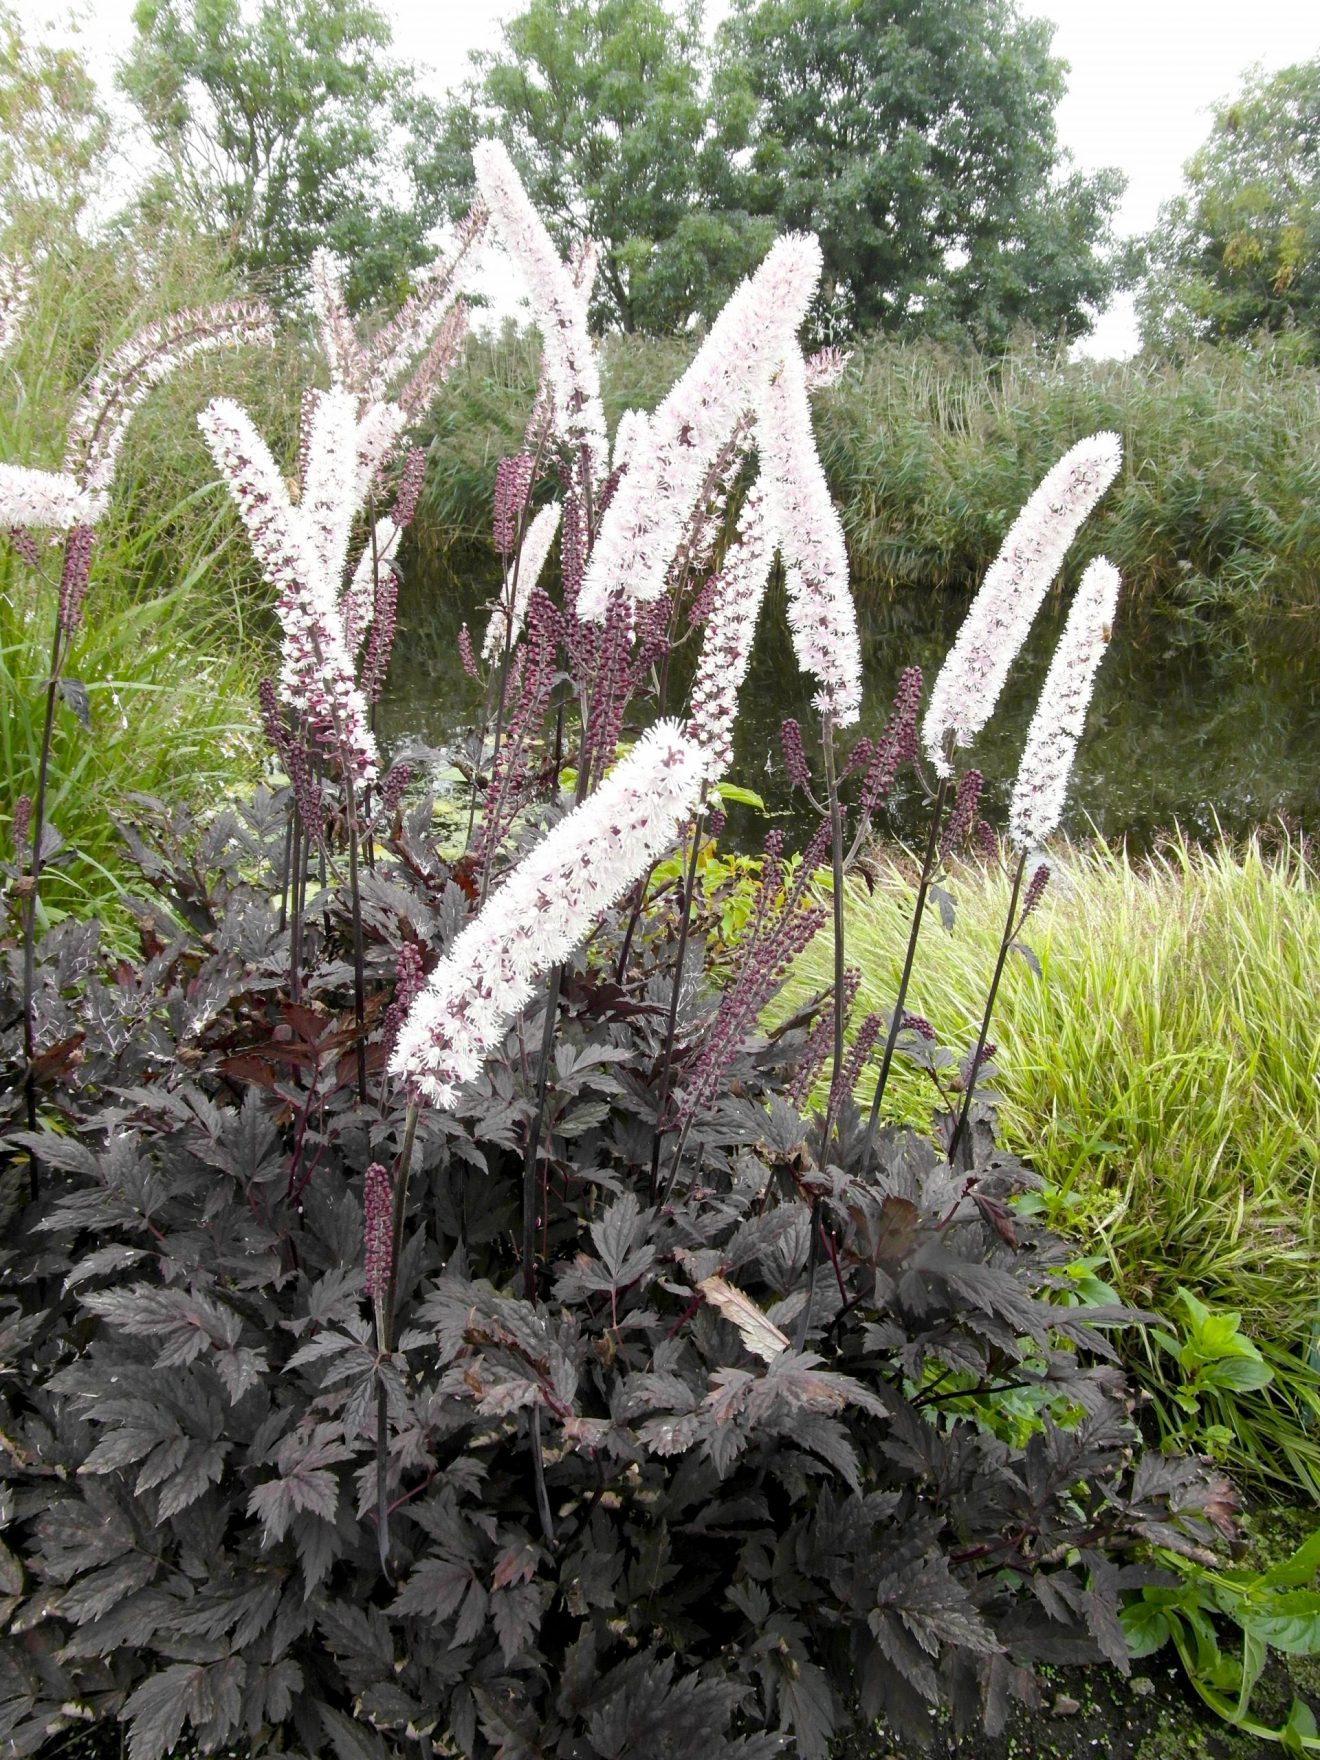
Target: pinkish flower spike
pixel 646 521
pixel 1004 609
pixel 1056 727
pixel 545 909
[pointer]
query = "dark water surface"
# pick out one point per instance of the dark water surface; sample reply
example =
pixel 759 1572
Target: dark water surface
pixel 1187 727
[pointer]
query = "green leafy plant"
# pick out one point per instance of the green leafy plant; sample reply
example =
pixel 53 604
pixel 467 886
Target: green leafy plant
pixel 1214 1357
pixel 1277 1608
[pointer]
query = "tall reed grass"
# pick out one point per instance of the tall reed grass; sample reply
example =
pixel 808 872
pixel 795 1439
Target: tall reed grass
pixel 929 453
pixel 1162 1074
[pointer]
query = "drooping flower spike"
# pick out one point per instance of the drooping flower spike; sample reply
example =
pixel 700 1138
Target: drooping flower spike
pixel 545 910
pixel 1056 727
pixel 107 406
pixel 316 672
pixel 644 524
pixel 1015 585
pixel 558 306
pixel 821 613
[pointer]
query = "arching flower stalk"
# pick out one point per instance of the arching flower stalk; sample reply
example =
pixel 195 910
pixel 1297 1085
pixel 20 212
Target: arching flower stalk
pixel 73 500
pixel 107 406
pixel 640 534
pixel 544 910
pixel 973 674
pixel 558 307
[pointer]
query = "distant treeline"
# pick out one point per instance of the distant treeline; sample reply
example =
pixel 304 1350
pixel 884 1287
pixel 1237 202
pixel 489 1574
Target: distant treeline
pixel 930 453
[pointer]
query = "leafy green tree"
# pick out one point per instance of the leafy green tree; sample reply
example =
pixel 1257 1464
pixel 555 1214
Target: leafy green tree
pixel 53 131
pixel 282 130
pixel 917 137
pixel 1237 253
pixel 604 106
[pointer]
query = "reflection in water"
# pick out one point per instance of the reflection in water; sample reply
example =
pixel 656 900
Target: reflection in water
pixel 1178 733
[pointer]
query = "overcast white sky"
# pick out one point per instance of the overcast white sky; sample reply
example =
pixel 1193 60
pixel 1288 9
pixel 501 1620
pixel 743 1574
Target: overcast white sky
pixel 1144 74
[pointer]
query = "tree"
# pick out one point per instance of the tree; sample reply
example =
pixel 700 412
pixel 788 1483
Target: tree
pixel 285 130
pixel 603 105
pixel 917 138
pixel 53 131
pixel 1237 253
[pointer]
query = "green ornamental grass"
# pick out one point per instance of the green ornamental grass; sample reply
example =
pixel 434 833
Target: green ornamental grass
pixel 1162 1074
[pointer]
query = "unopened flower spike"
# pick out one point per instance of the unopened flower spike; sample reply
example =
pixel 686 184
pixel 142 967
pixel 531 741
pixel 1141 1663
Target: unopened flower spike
pixel 1056 727
pixel 973 674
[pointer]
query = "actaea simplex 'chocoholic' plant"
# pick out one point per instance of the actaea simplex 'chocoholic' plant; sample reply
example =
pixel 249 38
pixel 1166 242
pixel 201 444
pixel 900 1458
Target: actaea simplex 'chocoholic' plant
pixel 439 1325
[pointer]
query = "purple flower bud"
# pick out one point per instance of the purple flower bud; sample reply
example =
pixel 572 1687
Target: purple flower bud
pixel 987 844
pixel 410 487
pixel 716 821
pixel 377 1232
pixel 919 1025
pixel 25 545
pixel 466 654
pixel 1035 890
pixel 513 482
pixel 22 819
pixel 963 816
pixel 73 580
pixel 795 759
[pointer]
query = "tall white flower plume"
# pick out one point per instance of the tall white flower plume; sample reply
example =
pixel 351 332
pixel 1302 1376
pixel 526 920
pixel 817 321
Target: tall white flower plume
pixel 821 612
pixel 43 498
pixel 1056 727
pixel 1002 612
pixel 558 305
pixel 645 522
pixel 726 647
pixel 316 670
pixel 545 909
pixel 520 581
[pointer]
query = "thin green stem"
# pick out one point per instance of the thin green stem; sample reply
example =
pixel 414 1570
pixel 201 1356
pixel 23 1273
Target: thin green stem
pixel 1011 926
pixel 57 651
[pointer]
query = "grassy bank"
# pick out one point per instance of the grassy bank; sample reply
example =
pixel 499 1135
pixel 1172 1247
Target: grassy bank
pixel 1163 1075
pixel 930 455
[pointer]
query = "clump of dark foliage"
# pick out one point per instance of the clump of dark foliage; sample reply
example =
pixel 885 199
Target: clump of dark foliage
pixel 630 1515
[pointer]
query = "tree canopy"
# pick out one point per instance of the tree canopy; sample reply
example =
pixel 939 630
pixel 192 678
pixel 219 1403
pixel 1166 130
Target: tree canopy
pixel 604 106
pixel 284 129
pixel 53 129
pixel 1237 252
pixel 917 137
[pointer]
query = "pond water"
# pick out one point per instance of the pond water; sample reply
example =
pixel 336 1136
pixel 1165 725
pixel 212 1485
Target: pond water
pixel 1186 727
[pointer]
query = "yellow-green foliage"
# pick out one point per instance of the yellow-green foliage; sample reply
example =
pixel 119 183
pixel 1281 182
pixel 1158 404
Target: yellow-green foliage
pixel 1163 1075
